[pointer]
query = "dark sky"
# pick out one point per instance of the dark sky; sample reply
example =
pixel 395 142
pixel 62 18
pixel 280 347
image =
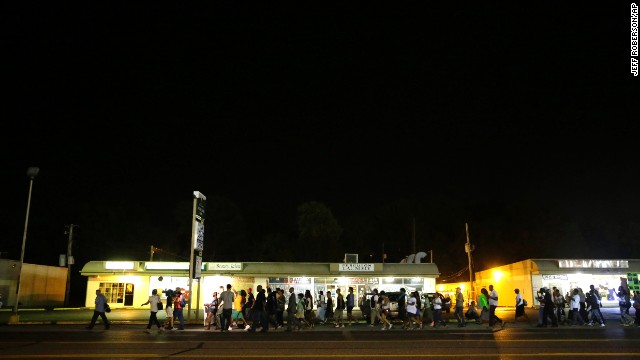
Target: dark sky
pixel 519 119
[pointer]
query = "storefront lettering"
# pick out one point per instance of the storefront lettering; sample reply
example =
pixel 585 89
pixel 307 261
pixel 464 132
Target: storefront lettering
pixel 225 266
pixel 594 264
pixel 555 277
pixel 355 267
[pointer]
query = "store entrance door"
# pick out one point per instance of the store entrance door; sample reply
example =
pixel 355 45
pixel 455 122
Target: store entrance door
pixel 128 295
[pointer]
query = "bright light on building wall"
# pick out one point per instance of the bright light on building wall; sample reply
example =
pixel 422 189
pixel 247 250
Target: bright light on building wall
pixel 497 275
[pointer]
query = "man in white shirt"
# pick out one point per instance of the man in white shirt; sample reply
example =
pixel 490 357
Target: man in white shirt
pixel 493 304
pixel 227 298
pixel 575 308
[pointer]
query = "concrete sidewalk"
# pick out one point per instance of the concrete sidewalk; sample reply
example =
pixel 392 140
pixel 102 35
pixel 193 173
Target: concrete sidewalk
pixel 82 316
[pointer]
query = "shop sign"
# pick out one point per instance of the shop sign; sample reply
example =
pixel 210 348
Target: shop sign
pixel 632 281
pixel 355 267
pixel 594 264
pixel 555 277
pixel 299 280
pixel 224 266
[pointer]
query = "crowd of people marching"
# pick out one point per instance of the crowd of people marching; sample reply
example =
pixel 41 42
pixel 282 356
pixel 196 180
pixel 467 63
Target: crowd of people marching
pixel 268 308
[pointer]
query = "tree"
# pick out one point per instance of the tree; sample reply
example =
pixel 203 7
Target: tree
pixel 319 233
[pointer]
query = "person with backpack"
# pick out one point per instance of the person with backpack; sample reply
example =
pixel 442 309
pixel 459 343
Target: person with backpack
pixel 593 307
pixel 154 300
pixel 521 303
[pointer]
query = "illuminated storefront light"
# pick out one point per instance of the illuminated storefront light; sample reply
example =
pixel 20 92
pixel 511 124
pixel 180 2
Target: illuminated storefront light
pixel 118 265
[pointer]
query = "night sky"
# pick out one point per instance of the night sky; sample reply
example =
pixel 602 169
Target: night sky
pixel 518 119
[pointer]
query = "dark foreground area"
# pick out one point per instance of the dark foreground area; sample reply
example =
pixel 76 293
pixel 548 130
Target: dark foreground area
pixel 126 340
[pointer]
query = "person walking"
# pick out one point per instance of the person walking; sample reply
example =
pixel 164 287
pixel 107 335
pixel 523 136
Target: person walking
pixel 593 307
pixel 258 310
pixel 308 308
pixel 153 301
pixel 483 302
pixel 227 299
pixel 211 310
pixel 282 302
pixel 459 312
pixel 520 306
pixel 291 311
pixel 437 311
pixel 413 312
pixel 179 303
pixel 624 302
pixel 493 304
pixel 340 305
pixel 575 308
pixel 322 307
pixel 548 310
pixel 402 309
pixel 168 322
pixel 329 309
pixel 375 307
pixel 385 310
pixel 351 303
pixel 101 303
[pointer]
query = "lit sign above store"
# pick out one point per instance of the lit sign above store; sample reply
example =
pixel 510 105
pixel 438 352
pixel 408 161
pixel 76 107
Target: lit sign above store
pixel 355 267
pixel 118 265
pixel 167 265
pixel 594 264
pixel 224 266
pixel 299 280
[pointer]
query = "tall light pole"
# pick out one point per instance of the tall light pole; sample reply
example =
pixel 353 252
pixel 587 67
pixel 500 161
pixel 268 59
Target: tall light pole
pixel 32 172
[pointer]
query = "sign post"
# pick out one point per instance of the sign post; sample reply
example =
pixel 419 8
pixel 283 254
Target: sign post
pixel 197 241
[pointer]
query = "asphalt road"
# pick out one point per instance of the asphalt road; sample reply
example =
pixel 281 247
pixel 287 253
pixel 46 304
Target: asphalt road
pixel 357 342
pixel 62 335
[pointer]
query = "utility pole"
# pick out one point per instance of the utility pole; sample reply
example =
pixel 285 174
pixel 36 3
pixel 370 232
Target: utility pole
pixel 151 253
pixel 69 262
pixel 413 237
pixel 468 248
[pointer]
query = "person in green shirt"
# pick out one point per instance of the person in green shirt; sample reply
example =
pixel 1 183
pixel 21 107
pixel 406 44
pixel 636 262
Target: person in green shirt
pixel 483 299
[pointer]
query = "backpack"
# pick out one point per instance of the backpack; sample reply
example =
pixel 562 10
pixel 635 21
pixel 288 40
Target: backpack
pixel 524 302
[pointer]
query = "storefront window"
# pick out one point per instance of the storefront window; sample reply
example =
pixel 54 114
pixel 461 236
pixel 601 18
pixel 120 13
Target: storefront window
pixel 114 292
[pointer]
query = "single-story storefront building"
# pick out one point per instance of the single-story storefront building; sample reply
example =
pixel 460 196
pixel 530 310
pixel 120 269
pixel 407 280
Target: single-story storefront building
pixel 566 274
pixel 129 283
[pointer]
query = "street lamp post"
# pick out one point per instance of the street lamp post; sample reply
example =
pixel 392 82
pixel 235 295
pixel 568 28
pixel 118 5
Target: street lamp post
pixel 32 172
